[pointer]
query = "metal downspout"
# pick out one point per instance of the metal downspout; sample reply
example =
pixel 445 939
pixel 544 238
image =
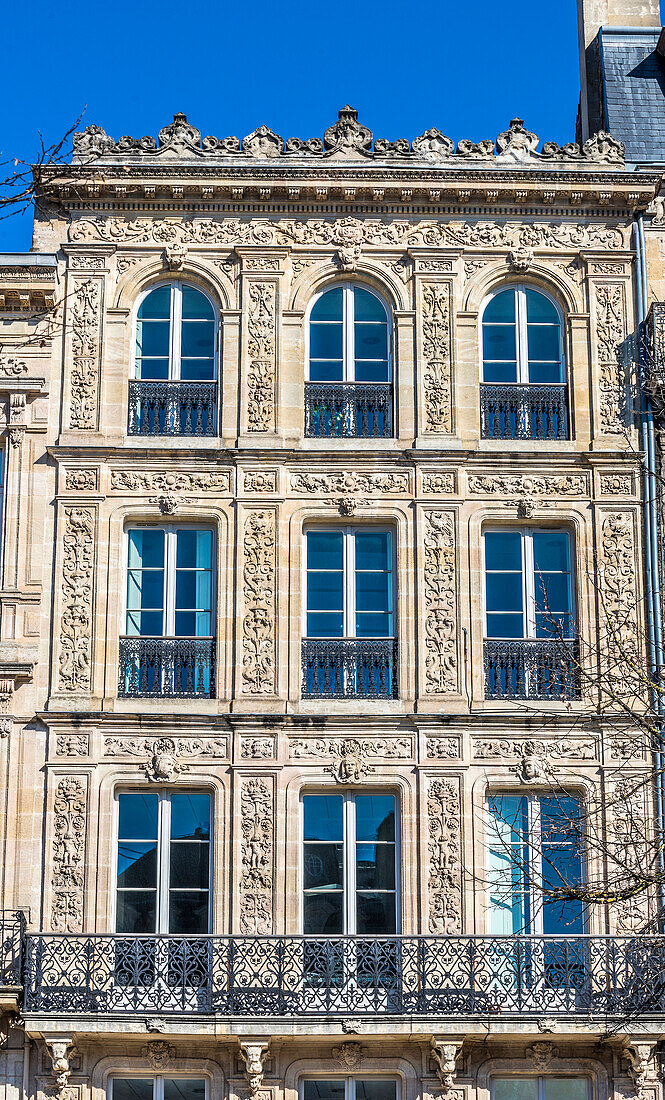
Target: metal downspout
pixel 654 614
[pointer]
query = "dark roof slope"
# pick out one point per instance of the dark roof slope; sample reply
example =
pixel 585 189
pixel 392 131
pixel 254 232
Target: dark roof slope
pixel 634 91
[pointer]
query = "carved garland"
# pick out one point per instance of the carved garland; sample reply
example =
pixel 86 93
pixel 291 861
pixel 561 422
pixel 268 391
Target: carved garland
pixel 440 604
pixel 74 662
pixel 610 335
pixel 436 356
pixel 85 322
pixel 256 877
pixel 444 857
pixel 259 581
pixel 261 349
pixel 68 855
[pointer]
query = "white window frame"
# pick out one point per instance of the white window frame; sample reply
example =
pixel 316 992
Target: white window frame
pixel 349 1082
pixel 529 578
pixel 348 332
pixel 175 329
pixel 170 549
pixel 350 574
pixel 522 342
pixel 163 865
pixel 540 1081
pixel 534 851
pixel 349 848
pixel 158 1081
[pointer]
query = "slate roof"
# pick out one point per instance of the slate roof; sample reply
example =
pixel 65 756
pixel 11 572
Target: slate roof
pixel 634 91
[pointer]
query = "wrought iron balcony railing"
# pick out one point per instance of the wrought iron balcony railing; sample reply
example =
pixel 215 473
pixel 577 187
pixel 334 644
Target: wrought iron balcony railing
pixel 298 976
pixel 172 408
pixel 533 668
pixel 167 667
pixel 353 409
pixel 349 668
pixel 535 411
pixel 12 931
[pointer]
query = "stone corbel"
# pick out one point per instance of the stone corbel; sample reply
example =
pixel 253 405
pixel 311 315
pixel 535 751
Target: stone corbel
pixel 16 419
pixel 638 1056
pixel 252 1054
pixel 61 1049
pixel 445 1055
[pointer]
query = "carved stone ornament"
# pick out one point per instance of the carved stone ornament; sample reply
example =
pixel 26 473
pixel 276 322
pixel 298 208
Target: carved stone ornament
pixel 174 257
pixel 640 1064
pixel 442 748
pixel 610 310
pixel 85 323
pixel 162 757
pixel 349 231
pixel 356 754
pixel 260 481
pixel 72 744
pixel 445 857
pixel 346 139
pixel 350 1055
pixel 259 596
pixel 530 486
pixel 81 481
pixel 159 1053
pixel 445 1056
pixel 164 766
pixel 257 748
pixel 67 876
pixel 61 1052
pixel 541 1054
pixel 531 750
pixel 350 764
pixel 616 485
pixel 257 857
pixel 253 1055
pixel 75 639
pixel 617 573
pixel 520 259
pixel 12 367
pixel 149 481
pixel 261 352
pixel 439 595
pixel 348 483
pixel 441 483
pixel 629 852
pixel 437 383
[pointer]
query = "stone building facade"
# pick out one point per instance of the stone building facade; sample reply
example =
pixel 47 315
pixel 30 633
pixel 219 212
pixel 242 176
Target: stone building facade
pixel 248 385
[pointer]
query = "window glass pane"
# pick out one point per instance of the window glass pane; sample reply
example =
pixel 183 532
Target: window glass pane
pixel 137 816
pixel 146 549
pixel 323 625
pixel 189 865
pixel 323 818
pixel 501 307
pixel 543 341
pixel 183 1088
pixel 190 816
pixel 194 549
pixel 198 370
pixel 132 1089
pixel 137 865
pixel 325 341
pixel 375 866
pixel 372 549
pixel 545 373
pixel 198 339
pixel 188 913
pixel 323 914
pixel 552 592
pixel 503 550
pixel 515 1088
pixel 539 308
pixel 376 914
pixel 195 304
pixel 152 338
pixel 329 371
pixel 323 1090
pixel 323 866
pixel 504 592
pixel 550 550
pixel 329 306
pixel 372 591
pixel 500 372
pixel 367 306
pixel 156 304
pixel 148 370
pixel 505 626
pixel 371 1089
pixel 136 911
pixel 499 342
pixel 566 1088
pixel 375 817
pixel 373 625
pixel 371 341
pixel 507 860
pixel 368 370
pixel 324 550
pixel 324 591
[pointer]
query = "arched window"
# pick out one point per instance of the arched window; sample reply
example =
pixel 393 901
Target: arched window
pixel 349 390
pixel 174 389
pixel 524 393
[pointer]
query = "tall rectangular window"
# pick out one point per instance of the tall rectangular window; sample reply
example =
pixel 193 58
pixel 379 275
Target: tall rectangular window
pixel 349 583
pixel 350 1088
pixel 350 864
pixel 540 1088
pixel 169 582
pixel 528 584
pixel 157 1088
pixel 163 862
pixel 535 844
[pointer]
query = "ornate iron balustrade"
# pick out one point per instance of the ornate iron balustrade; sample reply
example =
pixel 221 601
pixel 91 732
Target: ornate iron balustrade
pixel 161 667
pixel 354 409
pixel 296 976
pixel 172 408
pixel 533 668
pixel 349 668
pixel 536 411
pixel 12 932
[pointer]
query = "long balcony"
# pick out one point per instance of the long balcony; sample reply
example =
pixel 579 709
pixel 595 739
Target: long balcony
pixel 531 668
pixel 301 976
pixel 166 667
pixel 360 410
pixel 512 411
pixel 349 668
pixel 172 408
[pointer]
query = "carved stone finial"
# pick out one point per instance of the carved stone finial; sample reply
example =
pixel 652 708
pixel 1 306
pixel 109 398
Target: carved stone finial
pixel 432 145
pixel 179 136
pixel 349 1054
pixel 346 137
pixel 516 144
pixel 252 1055
pixel 159 1053
pixel 263 143
pixel 445 1056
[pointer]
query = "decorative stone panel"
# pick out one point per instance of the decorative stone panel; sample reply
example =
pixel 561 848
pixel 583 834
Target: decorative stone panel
pixel 259 596
pixel 617 575
pixel 610 313
pixel 444 844
pixel 86 328
pixel 74 671
pixel 261 358
pixel 435 344
pixel 68 854
pixel 440 603
pixel 257 799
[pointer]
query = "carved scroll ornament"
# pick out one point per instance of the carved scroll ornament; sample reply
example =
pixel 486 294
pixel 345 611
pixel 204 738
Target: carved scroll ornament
pixel 445 857
pixel 257 859
pixel 74 667
pixel 437 383
pixel 69 809
pixel 261 354
pixel 610 335
pixel 440 604
pixel 86 335
pixel 258 625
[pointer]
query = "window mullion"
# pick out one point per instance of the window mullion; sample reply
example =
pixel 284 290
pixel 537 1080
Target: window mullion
pixel 350 862
pixel 350 583
pixel 349 328
pixel 529 586
pixel 176 330
pixel 522 336
pixel 163 866
pixel 169 582
pixel 535 866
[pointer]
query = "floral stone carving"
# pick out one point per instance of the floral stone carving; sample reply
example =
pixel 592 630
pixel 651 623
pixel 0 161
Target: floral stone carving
pixel 85 325
pixel 445 857
pixel 74 671
pixel 257 858
pixel 436 355
pixel 610 336
pixel 261 351
pixel 69 809
pixel 258 627
pixel 618 571
pixel 440 604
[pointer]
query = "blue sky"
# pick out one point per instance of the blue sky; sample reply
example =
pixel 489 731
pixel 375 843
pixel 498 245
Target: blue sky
pixel 466 67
